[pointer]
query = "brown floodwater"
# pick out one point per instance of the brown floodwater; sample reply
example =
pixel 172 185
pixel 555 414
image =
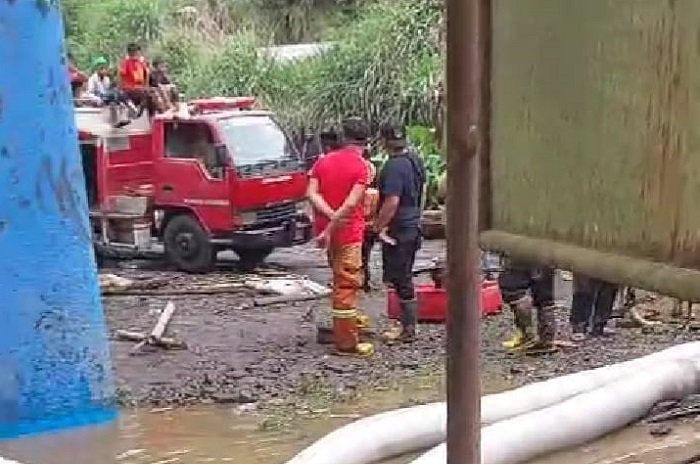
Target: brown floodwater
pixel 224 435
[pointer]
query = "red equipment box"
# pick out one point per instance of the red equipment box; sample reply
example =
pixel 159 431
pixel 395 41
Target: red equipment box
pixel 432 302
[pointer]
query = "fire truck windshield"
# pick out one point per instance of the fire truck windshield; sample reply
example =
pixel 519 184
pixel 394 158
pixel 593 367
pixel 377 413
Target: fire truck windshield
pixel 253 140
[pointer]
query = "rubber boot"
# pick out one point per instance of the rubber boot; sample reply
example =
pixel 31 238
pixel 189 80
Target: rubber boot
pixel 364 325
pixel 406 331
pixel 347 338
pixel 546 331
pixel 409 320
pixel 522 315
pixel 363 321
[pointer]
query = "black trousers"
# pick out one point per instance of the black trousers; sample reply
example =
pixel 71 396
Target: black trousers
pixel 398 263
pixel 368 242
pixel 518 278
pixel 592 303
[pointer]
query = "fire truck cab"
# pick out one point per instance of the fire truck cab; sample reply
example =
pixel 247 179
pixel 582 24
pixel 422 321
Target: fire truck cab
pixel 216 175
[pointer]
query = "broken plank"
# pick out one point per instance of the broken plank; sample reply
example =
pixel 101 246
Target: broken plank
pixel 163 321
pixel 139 337
pixel 208 290
pixel 273 300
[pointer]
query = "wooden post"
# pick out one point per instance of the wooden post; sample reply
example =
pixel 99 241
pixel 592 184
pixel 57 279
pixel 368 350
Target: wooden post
pixel 465 134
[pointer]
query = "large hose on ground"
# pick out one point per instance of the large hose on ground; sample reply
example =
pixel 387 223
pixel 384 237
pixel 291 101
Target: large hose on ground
pixel 417 428
pixel 581 418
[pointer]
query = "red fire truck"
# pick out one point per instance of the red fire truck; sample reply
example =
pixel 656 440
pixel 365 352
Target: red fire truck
pixel 218 175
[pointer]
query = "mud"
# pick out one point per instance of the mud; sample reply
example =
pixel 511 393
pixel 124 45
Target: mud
pixel 244 355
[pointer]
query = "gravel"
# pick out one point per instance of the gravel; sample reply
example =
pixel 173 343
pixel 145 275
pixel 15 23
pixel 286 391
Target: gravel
pixel 241 354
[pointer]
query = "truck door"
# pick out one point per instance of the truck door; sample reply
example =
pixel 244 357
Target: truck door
pixel 187 175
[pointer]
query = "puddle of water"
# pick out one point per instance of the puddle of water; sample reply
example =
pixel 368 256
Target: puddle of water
pixel 634 445
pixel 220 435
pixel 202 435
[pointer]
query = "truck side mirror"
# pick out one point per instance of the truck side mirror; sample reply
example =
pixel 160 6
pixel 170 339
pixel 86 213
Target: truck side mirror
pixel 221 156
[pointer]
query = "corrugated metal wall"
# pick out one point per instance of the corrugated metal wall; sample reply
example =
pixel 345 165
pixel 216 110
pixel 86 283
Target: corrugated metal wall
pixel 595 127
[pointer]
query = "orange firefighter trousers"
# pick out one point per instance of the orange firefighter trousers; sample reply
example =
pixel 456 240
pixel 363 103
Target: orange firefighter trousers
pixel 346 263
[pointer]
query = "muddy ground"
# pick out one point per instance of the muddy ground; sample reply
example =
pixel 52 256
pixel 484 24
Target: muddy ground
pixel 240 354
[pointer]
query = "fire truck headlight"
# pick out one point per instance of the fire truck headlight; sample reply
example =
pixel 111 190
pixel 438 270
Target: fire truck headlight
pixel 304 207
pixel 248 217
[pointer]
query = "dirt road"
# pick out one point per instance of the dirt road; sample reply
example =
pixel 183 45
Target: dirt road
pixel 241 354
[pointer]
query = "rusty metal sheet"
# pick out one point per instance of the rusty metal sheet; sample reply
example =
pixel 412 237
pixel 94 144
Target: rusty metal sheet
pixel 595 125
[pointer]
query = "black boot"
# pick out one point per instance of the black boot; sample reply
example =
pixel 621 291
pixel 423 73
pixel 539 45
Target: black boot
pixel 409 320
pixel 406 333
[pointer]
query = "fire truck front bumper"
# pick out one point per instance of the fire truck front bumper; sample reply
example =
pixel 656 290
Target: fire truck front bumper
pixel 290 233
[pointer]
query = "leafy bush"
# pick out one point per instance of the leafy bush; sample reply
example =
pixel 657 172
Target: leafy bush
pixel 106 28
pixel 425 141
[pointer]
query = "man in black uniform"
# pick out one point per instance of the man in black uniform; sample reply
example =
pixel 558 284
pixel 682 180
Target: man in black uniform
pixel 526 288
pixel 401 195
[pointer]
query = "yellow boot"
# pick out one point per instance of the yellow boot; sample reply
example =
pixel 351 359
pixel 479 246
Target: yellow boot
pixel 393 334
pixel 363 321
pixel 516 341
pixel 522 315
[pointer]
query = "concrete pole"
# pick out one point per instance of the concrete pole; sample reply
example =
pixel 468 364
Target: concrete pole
pixel 54 355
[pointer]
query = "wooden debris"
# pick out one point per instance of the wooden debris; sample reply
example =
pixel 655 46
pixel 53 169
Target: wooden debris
pixel 111 284
pixel 165 342
pixel 203 290
pixel 111 281
pixel 641 320
pixel 163 321
pixel 156 337
pixel 280 299
pixel 674 414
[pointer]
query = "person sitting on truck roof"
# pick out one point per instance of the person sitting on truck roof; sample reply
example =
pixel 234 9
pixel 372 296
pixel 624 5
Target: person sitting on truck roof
pixel 163 85
pixel 133 76
pixel 101 92
pixel 99 83
pixel 133 71
pixel 76 76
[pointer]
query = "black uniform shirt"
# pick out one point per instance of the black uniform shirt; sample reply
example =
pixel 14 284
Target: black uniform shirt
pixel 403 176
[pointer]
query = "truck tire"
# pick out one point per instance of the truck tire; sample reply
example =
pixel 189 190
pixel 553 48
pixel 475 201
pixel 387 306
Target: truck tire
pixel 249 259
pixel 187 245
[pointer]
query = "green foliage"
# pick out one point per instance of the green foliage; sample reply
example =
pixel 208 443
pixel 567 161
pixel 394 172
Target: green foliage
pixel 383 67
pixel 424 140
pixel 105 29
pixel 293 21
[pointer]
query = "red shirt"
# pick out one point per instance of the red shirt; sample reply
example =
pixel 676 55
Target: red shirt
pixel 337 173
pixel 76 76
pixel 133 73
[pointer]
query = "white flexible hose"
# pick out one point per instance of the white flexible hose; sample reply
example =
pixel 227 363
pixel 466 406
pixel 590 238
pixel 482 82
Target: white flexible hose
pixel 417 428
pixel 581 418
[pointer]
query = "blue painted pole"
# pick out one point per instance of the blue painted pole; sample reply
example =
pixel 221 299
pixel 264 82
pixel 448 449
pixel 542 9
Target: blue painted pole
pixel 54 355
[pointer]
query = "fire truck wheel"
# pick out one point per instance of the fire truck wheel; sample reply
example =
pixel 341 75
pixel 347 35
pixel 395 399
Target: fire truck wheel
pixel 187 245
pixel 249 259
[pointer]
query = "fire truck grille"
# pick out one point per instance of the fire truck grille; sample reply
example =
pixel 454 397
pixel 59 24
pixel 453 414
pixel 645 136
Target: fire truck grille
pixel 277 213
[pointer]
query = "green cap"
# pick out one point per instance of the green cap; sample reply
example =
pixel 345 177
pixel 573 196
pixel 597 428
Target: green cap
pixel 99 62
